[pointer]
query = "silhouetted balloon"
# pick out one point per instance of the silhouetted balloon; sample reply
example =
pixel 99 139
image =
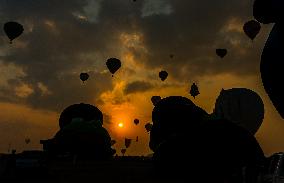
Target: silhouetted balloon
pixel 136 121
pixel 127 142
pixel 268 11
pixel 84 76
pixel 155 99
pixel 241 106
pixel 13 30
pixel 113 64
pixel 163 75
pixel 221 52
pixel 112 142
pixel 123 151
pixel 171 55
pixel 272 55
pixel 174 115
pixel 252 28
pixel 148 127
pixel 137 139
pixel 194 90
pixel 85 111
pixel 27 140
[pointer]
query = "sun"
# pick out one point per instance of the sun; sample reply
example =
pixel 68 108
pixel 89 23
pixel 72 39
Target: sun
pixel 120 125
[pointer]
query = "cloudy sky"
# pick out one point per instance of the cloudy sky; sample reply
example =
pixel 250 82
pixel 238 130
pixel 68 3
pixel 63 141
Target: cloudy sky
pixel 40 70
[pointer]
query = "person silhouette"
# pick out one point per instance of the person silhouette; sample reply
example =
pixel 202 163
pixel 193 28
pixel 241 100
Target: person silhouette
pixel 271 11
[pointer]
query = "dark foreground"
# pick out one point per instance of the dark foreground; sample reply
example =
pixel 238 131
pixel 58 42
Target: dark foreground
pixel 120 169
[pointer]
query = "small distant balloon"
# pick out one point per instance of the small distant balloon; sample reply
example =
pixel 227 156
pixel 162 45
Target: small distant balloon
pixel 112 142
pixel 27 140
pixel 148 127
pixel 113 64
pixel 13 30
pixel 221 52
pixel 136 121
pixel 127 142
pixel 163 75
pixel 84 76
pixel 123 151
pixel 252 28
pixel 171 55
pixel 194 90
pixel 155 100
pixel 137 139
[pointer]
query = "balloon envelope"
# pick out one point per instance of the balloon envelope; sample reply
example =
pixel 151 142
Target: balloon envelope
pixel 163 75
pixel 252 28
pixel 194 90
pixel 27 140
pixel 113 64
pixel 127 142
pixel 155 99
pixel 136 121
pixel 85 111
pixel 148 127
pixel 221 52
pixel 13 30
pixel 241 106
pixel 123 151
pixel 84 76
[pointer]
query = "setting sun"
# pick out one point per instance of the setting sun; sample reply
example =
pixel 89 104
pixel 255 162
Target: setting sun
pixel 120 125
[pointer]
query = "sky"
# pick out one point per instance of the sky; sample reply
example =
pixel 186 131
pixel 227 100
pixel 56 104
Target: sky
pixel 40 70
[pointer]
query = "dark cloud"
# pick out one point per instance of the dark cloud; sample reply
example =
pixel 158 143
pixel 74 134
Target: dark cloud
pixel 58 43
pixel 193 31
pixel 138 86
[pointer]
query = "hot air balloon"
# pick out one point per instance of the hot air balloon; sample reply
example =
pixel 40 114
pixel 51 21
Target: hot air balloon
pixel 112 142
pixel 163 75
pixel 171 55
pixel 155 99
pixel 148 127
pixel 136 121
pixel 27 140
pixel 13 30
pixel 271 66
pixel 221 52
pixel 85 111
pixel 113 64
pixel 84 77
pixel 123 151
pixel 127 142
pixel 137 139
pixel 194 90
pixel 241 106
pixel 252 28
pixel 267 11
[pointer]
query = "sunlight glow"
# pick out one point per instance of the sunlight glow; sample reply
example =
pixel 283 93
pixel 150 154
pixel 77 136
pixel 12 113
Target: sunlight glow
pixel 120 125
